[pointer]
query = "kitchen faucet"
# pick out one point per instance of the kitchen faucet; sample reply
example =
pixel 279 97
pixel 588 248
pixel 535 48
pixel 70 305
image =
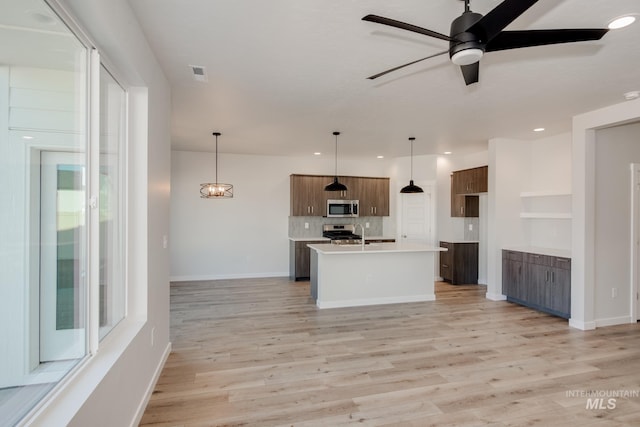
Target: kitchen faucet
pixel 355 227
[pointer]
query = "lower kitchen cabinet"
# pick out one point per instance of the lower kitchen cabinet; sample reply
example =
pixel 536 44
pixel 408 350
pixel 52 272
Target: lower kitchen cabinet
pixel 299 259
pixel 459 264
pixel 542 282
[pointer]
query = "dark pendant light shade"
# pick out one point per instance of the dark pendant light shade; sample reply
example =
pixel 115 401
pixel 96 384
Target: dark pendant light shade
pixel 335 185
pixel 411 188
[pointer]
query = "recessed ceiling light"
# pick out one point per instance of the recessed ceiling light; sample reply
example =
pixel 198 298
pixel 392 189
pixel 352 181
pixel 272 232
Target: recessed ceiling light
pixel 27 137
pixel 317 153
pixel 380 157
pixel 538 130
pixel 447 152
pixel 621 22
pixel 634 94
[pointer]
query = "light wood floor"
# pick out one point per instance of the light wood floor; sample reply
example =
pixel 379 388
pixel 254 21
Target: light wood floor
pixel 259 353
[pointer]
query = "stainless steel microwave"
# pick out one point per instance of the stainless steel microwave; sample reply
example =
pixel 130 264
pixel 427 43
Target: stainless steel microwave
pixel 342 208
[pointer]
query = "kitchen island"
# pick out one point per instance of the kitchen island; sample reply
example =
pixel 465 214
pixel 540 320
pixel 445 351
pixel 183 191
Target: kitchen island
pixel 378 273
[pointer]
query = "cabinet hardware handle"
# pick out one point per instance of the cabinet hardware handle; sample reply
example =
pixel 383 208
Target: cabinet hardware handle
pixel 311 209
pixel 553 277
pixel 445 265
pixel 461 209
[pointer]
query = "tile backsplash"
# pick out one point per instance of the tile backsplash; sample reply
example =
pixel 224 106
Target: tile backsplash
pixel 297 225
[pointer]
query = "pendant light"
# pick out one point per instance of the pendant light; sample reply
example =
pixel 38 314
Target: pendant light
pixel 411 188
pixel 216 190
pixel 335 185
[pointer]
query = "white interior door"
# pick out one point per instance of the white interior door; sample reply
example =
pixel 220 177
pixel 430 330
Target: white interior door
pixel 62 257
pixel 416 224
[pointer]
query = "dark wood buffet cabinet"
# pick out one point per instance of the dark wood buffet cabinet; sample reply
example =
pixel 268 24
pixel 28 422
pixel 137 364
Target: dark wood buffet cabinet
pixel 539 281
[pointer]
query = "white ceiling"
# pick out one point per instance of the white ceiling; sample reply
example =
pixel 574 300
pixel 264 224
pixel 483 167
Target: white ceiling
pixel 284 74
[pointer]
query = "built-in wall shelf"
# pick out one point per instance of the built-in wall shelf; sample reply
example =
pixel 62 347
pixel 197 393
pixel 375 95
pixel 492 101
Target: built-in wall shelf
pixel 551 193
pixel 546 204
pixel 545 215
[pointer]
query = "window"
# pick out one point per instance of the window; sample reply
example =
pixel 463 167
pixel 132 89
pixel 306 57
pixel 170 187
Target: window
pixel 112 257
pixel 48 166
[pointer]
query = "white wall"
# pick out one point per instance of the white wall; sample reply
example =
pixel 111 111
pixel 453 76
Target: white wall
pixel 112 387
pixel 247 235
pixel 586 308
pixel 516 166
pixel 616 148
pixel 509 172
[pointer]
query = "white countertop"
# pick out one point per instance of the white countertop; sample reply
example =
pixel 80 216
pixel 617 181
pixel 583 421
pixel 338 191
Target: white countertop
pixel 387 247
pixel 325 239
pixel 460 241
pixel 565 253
pixel 309 239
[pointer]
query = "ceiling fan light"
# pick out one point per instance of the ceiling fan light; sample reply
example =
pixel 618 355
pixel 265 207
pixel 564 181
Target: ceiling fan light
pixel 621 22
pixel 467 56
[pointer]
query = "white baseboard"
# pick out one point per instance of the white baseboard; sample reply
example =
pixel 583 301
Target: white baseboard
pixel 495 297
pixel 584 326
pixel 151 387
pixel 375 301
pixel 611 321
pixel 198 278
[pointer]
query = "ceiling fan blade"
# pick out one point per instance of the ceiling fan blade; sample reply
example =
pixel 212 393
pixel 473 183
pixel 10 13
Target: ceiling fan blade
pixel 404 26
pixel 490 25
pixel 375 76
pixel 470 72
pixel 516 39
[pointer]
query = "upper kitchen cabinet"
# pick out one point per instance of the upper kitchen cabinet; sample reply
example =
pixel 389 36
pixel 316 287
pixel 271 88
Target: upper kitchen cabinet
pixel 374 196
pixel 464 184
pixel 470 181
pixel 351 193
pixel 308 197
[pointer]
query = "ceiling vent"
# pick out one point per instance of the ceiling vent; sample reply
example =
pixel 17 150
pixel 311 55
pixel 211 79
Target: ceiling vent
pixel 199 73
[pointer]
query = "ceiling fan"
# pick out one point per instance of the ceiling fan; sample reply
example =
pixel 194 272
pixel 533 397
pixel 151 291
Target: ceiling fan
pixel 473 34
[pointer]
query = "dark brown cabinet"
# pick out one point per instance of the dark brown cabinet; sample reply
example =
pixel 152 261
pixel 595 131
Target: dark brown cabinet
pixel 374 196
pixel 463 206
pixel 308 197
pixel 513 275
pixel 464 184
pixel 299 259
pixel 538 281
pixel 459 264
pixel 471 181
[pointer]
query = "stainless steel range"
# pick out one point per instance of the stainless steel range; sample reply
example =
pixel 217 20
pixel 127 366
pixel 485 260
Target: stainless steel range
pixel 341 234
